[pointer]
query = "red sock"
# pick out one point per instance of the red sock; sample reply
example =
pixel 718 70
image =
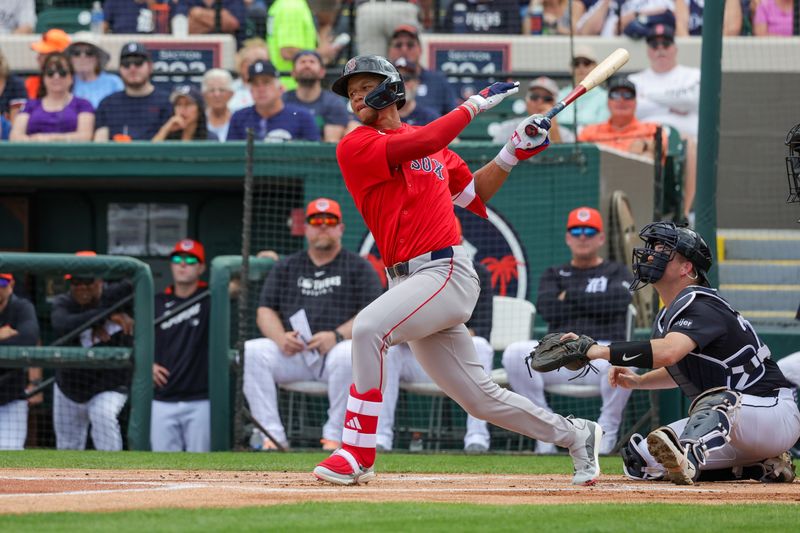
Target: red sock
pixel 361 424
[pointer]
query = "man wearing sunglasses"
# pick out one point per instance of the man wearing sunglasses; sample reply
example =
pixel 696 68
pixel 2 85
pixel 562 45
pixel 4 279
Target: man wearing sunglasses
pixel 181 414
pixel 623 131
pixel 592 107
pixel 587 294
pixel 331 285
pixel 137 112
pixel 18 327
pixel 91 397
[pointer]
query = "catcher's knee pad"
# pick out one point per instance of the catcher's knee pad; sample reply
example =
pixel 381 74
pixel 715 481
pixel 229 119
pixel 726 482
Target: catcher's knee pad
pixel 636 462
pixel 709 424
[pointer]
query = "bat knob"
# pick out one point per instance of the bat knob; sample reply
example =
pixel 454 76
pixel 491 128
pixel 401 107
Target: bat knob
pixel 531 130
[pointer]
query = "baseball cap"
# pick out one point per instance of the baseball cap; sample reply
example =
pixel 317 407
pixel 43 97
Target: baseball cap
pixel 134 48
pixel 585 217
pixel 586 52
pixel 302 53
pixel 323 206
pixel 191 247
pixel 82 253
pixel 262 67
pixel 188 91
pixel 406 28
pixel 664 31
pixel 621 83
pixel 54 40
pixel 543 82
pixel 5 279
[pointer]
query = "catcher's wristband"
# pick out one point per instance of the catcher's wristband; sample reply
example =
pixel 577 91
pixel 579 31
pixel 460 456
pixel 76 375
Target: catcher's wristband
pixel 637 353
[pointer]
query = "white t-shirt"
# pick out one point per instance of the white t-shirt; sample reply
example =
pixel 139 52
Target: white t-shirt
pixel 671 98
pixel 16 13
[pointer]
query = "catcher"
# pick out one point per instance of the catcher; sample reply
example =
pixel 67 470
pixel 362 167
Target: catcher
pixel 704 346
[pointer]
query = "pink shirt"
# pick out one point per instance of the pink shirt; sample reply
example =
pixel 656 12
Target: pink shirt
pixel 778 21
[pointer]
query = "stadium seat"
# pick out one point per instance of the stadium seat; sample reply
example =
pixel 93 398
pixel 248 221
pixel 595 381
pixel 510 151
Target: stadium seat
pixel 69 19
pixel 297 427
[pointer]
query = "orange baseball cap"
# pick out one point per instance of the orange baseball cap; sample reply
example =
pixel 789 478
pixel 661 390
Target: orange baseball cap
pixel 54 40
pixel 81 253
pixel 585 217
pixel 324 206
pixel 9 277
pixel 191 247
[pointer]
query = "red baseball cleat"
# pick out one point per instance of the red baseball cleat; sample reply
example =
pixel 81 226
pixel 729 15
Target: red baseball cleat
pixel 341 468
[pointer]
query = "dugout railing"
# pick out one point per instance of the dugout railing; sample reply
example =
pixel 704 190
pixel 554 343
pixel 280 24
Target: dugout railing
pixel 140 357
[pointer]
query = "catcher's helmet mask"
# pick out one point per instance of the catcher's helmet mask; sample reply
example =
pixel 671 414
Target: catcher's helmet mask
pixel 793 164
pixel 672 239
pixel 391 90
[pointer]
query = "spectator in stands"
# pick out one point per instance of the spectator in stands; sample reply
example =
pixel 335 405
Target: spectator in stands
pixel 89 61
pixel 270 118
pixel 669 94
pixel 377 22
pixel 689 17
pixel 633 18
pixel 483 16
pixel 623 131
pixel 137 112
pixel 401 365
pixel 5 128
pixel 555 16
pixel 331 285
pixel 217 93
pixel 12 91
pixel 593 106
pixel 56 115
pixel 773 17
pixel 188 121
pixel 325 14
pixel 412 112
pixel 540 98
pixel 54 40
pixel 134 16
pixel 181 416
pixel 252 51
pixel 588 295
pixel 203 17
pixel 18 327
pixel 329 111
pixel 17 16
pixel 84 397
pixel 434 91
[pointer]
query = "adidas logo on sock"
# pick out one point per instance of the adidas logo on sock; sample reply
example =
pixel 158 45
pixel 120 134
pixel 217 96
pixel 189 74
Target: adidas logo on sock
pixel 353 423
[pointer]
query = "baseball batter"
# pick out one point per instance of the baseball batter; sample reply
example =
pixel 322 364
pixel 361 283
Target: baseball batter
pixel 743 415
pixel 404 181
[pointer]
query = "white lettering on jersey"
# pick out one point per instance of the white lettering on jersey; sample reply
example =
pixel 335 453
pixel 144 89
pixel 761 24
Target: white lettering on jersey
pixel 597 284
pixel 184 315
pixel 683 323
pixel 318 287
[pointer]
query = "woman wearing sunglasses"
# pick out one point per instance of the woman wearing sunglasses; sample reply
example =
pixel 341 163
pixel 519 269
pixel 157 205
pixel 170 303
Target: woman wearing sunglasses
pixel 56 115
pixel 89 61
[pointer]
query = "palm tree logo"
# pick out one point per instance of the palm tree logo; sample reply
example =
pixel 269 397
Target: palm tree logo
pixel 503 271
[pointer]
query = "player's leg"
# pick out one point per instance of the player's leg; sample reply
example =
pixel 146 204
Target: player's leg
pixel 166 434
pixel 196 422
pixel 338 374
pixel 393 363
pixel 264 367
pixel 527 383
pixel 477 438
pixel 104 409
pixel 70 421
pixel 614 401
pixel 13 425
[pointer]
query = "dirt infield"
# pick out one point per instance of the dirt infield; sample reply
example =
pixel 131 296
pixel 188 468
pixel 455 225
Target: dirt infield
pixel 25 491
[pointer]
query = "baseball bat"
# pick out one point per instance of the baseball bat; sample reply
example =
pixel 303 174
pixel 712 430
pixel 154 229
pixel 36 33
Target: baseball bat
pixel 598 75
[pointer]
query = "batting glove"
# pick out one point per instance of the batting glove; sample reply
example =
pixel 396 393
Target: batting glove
pixel 530 138
pixel 490 97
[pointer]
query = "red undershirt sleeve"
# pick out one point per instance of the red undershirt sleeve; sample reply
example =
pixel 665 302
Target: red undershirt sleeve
pixel 428 139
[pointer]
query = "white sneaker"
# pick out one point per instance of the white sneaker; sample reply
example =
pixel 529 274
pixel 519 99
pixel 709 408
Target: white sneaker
pixel 585 451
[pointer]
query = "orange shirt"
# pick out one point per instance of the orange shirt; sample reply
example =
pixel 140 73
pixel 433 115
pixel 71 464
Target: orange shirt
pixel 622 139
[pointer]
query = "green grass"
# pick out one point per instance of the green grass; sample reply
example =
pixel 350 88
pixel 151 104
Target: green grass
pixel 296 462
pixel 361 517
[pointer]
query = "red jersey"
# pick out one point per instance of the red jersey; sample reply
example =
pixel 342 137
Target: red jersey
pixel 409 208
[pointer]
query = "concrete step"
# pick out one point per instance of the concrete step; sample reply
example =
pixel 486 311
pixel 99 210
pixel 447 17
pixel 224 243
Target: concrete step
pixel 762 297
pixel 758 244
pixel 746 271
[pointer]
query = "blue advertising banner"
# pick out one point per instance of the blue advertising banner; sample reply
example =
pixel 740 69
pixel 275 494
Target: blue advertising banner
pixel 461 58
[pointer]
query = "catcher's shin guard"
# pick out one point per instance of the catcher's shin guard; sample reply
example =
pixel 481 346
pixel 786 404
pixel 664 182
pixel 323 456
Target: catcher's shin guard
pixel 352 464
pixel 709 424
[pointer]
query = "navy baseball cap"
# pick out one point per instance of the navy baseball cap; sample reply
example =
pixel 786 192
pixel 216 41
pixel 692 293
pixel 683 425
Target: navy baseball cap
pixel 187 91
pixel 621 83
pixel 302 53
pixel 262 67
pixel 134 49
pixel 661 31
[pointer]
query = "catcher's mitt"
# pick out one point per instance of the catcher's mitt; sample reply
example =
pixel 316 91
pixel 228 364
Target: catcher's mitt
pixel 553 353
